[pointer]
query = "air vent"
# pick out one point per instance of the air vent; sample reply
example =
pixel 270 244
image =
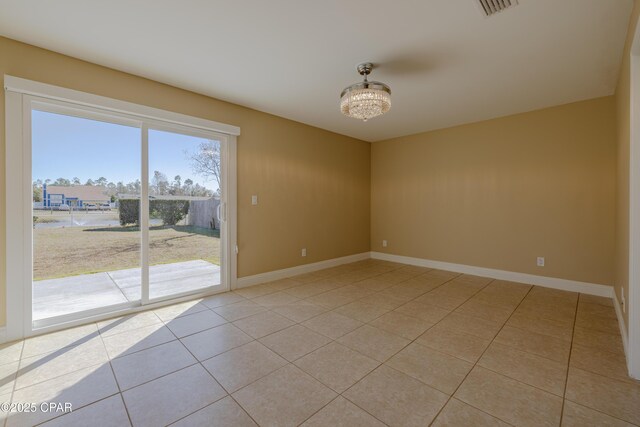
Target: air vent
pixel 491 7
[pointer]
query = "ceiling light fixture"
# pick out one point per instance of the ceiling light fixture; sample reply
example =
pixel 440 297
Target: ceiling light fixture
pixel 367 99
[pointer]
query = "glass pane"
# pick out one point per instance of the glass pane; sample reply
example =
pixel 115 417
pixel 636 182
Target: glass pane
pixel 184 229
pixel 84 255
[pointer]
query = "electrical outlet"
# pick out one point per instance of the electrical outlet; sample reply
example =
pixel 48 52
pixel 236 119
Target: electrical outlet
pixel 623 302
pixel 384 243
pixel 254 200
pixel 540 261
pixel 304 252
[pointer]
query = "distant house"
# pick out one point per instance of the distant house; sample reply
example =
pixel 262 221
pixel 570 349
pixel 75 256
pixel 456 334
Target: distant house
pixel 76 195
pixel 165 197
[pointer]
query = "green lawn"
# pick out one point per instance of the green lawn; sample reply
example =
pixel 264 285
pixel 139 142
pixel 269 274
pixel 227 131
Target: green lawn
pixel 70 251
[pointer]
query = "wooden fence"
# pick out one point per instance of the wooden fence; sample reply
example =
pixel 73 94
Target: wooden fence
pixel 203 212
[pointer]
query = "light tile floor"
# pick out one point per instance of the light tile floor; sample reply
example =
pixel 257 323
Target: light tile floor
pixel 365 344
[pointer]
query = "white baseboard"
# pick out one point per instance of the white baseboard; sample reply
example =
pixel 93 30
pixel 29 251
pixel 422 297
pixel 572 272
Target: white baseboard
pixel 531 279
pixel 270 276
pixel 623 328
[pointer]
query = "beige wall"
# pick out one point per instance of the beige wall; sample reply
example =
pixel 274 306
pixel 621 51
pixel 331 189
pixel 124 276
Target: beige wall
pixel 501 192
pixel 622 193
pixel 495 194
pixel 313 185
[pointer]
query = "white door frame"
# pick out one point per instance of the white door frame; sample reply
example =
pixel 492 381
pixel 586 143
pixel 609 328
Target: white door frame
pixel 633 299
pixel 20 95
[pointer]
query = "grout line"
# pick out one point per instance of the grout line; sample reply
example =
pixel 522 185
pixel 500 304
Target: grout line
pixel 90 403
pixel 15 381
pixel 599 411
pixel 164 323
pixel 478 359
pixel 200 362
pixel 113 372
pixel 383 362
pixel 328 310
pixel 126 410
pixel 257 379
pixel 57 375
pixel 474 407
pixel 566 378
pixel 555 361
pixel 176 371
pixel 632 382
pixel 161 376
pixel 330 342
pixel 40 423
pixel 528 352
pixel 267 308
pixel 338 395
pixel 204 360
pixel 156 378
pixel 243 410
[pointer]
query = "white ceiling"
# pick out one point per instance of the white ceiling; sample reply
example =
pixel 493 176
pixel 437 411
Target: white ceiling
pixel 445 62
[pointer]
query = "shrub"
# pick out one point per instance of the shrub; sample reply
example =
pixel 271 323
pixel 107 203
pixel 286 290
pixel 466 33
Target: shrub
pixel 170 211
pixel 129 211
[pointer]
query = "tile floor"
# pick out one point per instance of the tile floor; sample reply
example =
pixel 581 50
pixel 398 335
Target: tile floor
pixel 371 343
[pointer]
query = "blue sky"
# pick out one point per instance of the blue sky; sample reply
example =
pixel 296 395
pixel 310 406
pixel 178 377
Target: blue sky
pixel 67 147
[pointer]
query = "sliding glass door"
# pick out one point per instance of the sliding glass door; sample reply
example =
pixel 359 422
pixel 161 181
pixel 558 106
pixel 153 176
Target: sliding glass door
pixel 185 195
pixel 80 169
pixel 125 212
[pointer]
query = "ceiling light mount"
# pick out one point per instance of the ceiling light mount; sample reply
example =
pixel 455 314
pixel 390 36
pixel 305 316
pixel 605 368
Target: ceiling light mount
pixel 364 69
pixel 366 99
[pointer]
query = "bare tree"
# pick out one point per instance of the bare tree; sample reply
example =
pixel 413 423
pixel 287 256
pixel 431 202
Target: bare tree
pixel 188 187
pixel 159 183
pixel 176 187
pixel 206 161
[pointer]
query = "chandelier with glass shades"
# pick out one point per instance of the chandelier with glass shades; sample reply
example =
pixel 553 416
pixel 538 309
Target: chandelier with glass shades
pixel 367 99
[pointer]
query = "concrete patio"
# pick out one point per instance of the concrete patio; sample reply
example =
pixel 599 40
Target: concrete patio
pixel 56 297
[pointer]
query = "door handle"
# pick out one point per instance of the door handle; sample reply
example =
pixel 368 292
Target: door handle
pixel 221 211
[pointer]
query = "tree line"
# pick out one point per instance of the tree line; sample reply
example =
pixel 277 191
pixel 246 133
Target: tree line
pixel 160 185
pixel 205 161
